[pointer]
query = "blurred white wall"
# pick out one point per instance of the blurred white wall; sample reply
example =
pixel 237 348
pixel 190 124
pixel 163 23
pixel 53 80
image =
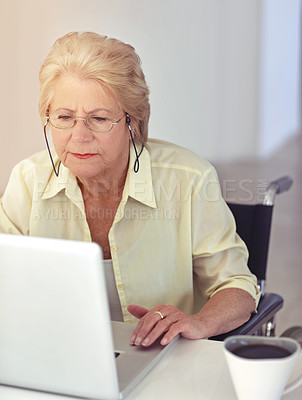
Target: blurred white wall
pixel 280 71
pixel 224 75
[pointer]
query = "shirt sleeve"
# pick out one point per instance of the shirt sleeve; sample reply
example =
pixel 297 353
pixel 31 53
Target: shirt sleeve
pixel 15 205
pixel 219 255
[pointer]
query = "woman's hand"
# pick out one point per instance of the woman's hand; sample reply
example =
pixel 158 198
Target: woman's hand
pixel 153 323
pixel 224 311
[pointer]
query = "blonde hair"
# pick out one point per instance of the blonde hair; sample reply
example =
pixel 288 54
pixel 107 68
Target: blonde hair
pixel 107 61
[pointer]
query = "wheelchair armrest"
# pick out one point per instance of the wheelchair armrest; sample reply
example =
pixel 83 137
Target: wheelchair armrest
pixel 278 186
pixel 268 305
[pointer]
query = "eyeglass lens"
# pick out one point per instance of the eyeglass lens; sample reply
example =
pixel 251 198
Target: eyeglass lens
pixel 93 122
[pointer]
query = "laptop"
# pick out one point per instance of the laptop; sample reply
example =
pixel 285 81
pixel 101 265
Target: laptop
pixel 55 330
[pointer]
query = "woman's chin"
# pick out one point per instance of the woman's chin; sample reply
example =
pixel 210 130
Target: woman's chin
pixel 85 169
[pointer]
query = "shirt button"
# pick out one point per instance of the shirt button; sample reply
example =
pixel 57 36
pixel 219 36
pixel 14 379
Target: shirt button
pixel 121 286
pixel 114 249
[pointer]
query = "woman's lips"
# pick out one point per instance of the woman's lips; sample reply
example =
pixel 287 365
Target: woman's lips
pixel 83 156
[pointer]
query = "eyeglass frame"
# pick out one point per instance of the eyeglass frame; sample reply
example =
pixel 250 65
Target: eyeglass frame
pixel 75 119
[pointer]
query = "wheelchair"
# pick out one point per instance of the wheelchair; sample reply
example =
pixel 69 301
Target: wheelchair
pixel 253 222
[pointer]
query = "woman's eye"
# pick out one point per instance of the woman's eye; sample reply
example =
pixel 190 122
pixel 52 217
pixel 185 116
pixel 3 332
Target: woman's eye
pixel 64 117
pixel 96 118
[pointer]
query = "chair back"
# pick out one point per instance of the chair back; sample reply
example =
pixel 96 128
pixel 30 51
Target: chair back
pixel 253 223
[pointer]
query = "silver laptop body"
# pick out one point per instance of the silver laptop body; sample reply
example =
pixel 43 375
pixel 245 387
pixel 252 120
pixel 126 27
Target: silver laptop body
pixel 55 329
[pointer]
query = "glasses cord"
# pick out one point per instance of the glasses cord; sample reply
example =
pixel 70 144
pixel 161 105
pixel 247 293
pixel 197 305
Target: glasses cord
pixel 49 152
pixel 136 163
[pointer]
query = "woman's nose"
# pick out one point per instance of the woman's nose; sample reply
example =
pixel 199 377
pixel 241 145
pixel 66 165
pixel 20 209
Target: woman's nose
pixel 80 131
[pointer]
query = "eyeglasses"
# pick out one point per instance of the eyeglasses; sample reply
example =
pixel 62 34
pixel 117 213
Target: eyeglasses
pixel 95 123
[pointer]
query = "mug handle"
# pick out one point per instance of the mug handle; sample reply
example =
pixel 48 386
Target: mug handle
pixel 292 386
pixel 294 333
pixel 297 382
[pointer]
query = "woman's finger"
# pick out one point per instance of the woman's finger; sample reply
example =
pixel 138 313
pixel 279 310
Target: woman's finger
pixel 146 323
pixel 137 311
pixel 154 324
pixel 159 329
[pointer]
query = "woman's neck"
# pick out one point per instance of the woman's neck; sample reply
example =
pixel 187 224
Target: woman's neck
pixel 108 186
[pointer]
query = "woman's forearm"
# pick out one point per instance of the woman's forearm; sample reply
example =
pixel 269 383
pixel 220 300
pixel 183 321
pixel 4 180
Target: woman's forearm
pixel 226 310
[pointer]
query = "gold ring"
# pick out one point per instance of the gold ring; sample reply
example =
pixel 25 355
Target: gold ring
pixel 160 314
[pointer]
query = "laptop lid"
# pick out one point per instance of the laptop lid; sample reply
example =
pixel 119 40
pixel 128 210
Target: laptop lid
pixel 55 331
pixel 55 328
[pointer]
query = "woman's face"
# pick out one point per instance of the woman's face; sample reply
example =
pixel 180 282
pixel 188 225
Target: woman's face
pixel 86 153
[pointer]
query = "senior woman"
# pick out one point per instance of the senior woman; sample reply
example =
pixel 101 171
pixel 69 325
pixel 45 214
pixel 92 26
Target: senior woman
pixel 172 257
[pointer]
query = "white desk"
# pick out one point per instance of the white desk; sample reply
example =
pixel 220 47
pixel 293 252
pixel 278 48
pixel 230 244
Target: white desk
pixel 191 370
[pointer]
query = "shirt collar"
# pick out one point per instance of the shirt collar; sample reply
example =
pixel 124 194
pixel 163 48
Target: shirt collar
pixel 66 181
pixel 139 185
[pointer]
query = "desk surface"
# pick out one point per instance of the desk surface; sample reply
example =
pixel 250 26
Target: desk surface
pixel 191 370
